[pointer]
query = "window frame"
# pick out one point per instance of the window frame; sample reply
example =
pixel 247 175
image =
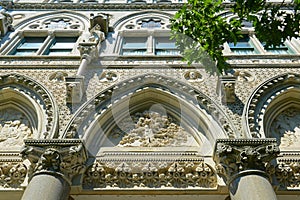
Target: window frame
pixel 49 36
pixel 151 36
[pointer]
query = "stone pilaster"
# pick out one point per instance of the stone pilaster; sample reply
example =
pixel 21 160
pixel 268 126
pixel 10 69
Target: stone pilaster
pixel 53 165
pixel 242 163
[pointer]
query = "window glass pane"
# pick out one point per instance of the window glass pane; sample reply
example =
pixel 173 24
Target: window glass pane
pixel 135 43
pixel 29 46
pixel 165 46
pixel 243 46
pixel 134 46
pixel 282 49
pixel 62 46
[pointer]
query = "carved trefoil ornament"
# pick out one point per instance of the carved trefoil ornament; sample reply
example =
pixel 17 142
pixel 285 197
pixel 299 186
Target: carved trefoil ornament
pixel 65 158
pixel 226 88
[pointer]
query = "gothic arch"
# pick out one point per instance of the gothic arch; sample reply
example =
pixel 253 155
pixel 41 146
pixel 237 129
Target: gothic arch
pixel 81 20
pixel 268 101
pixel 28 100
pixel 196 113
pixel 121 23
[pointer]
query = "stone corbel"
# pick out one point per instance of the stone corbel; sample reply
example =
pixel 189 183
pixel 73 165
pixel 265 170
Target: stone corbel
pixel 64 158
pixel 75 87
pixel 226 88
pixel 236 156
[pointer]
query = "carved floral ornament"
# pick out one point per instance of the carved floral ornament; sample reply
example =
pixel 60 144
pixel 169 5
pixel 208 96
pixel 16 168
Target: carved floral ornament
pixel 152 174
pixel 12 173
pixel 83 117
pixel 62 157
pixel 39 94
pixel 261 99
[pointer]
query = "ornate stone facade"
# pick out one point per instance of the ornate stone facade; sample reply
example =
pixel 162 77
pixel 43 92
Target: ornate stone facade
pixel 79 113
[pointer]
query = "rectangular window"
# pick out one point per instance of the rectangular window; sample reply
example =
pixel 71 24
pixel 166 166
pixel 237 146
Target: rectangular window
pixel 282 49
pixel 134 46
pixel 61 46
pixel 165 46
pixel 243 46
pixel 28 46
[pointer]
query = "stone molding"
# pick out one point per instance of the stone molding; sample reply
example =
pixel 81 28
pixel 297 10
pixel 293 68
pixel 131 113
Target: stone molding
pixel 65 158
pixel 235 156
pixel 85 115
pixel 261 98
pixel 157 173
pixel 46 99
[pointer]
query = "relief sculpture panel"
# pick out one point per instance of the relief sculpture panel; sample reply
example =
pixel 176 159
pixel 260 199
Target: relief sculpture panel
pixel 151 129
pixel 286 128
pixel 14 127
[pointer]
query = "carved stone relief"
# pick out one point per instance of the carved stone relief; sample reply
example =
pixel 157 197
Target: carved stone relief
pixel 286 128
pixel 14 127
pixel 151 129
pixel 12 174
pixel 180 174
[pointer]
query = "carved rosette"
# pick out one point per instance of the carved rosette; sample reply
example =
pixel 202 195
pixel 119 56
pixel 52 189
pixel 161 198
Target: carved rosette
pixel 12 174
pixel 152 174
pixel 233 156
pixel 64 158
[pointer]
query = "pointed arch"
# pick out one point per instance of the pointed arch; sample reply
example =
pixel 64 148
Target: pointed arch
pixel 30 100
pixel 81 19
pixel 196 113
pixel 268 101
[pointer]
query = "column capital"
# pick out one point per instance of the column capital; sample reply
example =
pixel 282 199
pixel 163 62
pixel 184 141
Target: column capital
pixel 234 157
pixel 61 157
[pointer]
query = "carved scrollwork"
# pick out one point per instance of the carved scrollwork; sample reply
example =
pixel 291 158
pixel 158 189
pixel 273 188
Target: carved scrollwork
pixel 61 157
pixel 150 175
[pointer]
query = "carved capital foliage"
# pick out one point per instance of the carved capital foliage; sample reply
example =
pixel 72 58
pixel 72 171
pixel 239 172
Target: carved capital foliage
pixel 177 174
pixel 234 156
pixel 62 157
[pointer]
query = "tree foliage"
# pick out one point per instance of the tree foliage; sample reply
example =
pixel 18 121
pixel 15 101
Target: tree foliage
pixel 200 29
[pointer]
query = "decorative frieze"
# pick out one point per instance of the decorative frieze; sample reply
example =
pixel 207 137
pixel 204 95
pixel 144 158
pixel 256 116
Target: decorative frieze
pixel 12 173
pixel 233 156
pixel 142 175
pixel 61 157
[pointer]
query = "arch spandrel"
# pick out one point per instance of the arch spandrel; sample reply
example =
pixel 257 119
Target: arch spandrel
pixel 193 112
pixel 273 110
pixel 27 111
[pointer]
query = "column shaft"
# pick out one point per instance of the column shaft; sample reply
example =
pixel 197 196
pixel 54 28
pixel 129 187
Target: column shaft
pixel 251 187
pixel 47 187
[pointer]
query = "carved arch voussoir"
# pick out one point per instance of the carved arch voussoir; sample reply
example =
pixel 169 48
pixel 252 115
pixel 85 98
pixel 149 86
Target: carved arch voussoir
pixel 103 101
pixel 37 93
pixel 260 100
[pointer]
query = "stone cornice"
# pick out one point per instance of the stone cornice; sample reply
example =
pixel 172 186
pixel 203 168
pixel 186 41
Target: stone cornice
pixel 64 158
pixel 233 156
pixel 101 6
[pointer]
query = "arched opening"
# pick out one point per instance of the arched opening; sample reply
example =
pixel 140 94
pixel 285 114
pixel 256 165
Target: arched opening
pixel 282 119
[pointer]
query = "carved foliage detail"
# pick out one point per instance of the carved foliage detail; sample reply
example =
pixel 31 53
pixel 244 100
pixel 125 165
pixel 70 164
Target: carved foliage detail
pixel 150 175
pixel 232 158
pixel 12 174
pixel 285 174
pixel 67 160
